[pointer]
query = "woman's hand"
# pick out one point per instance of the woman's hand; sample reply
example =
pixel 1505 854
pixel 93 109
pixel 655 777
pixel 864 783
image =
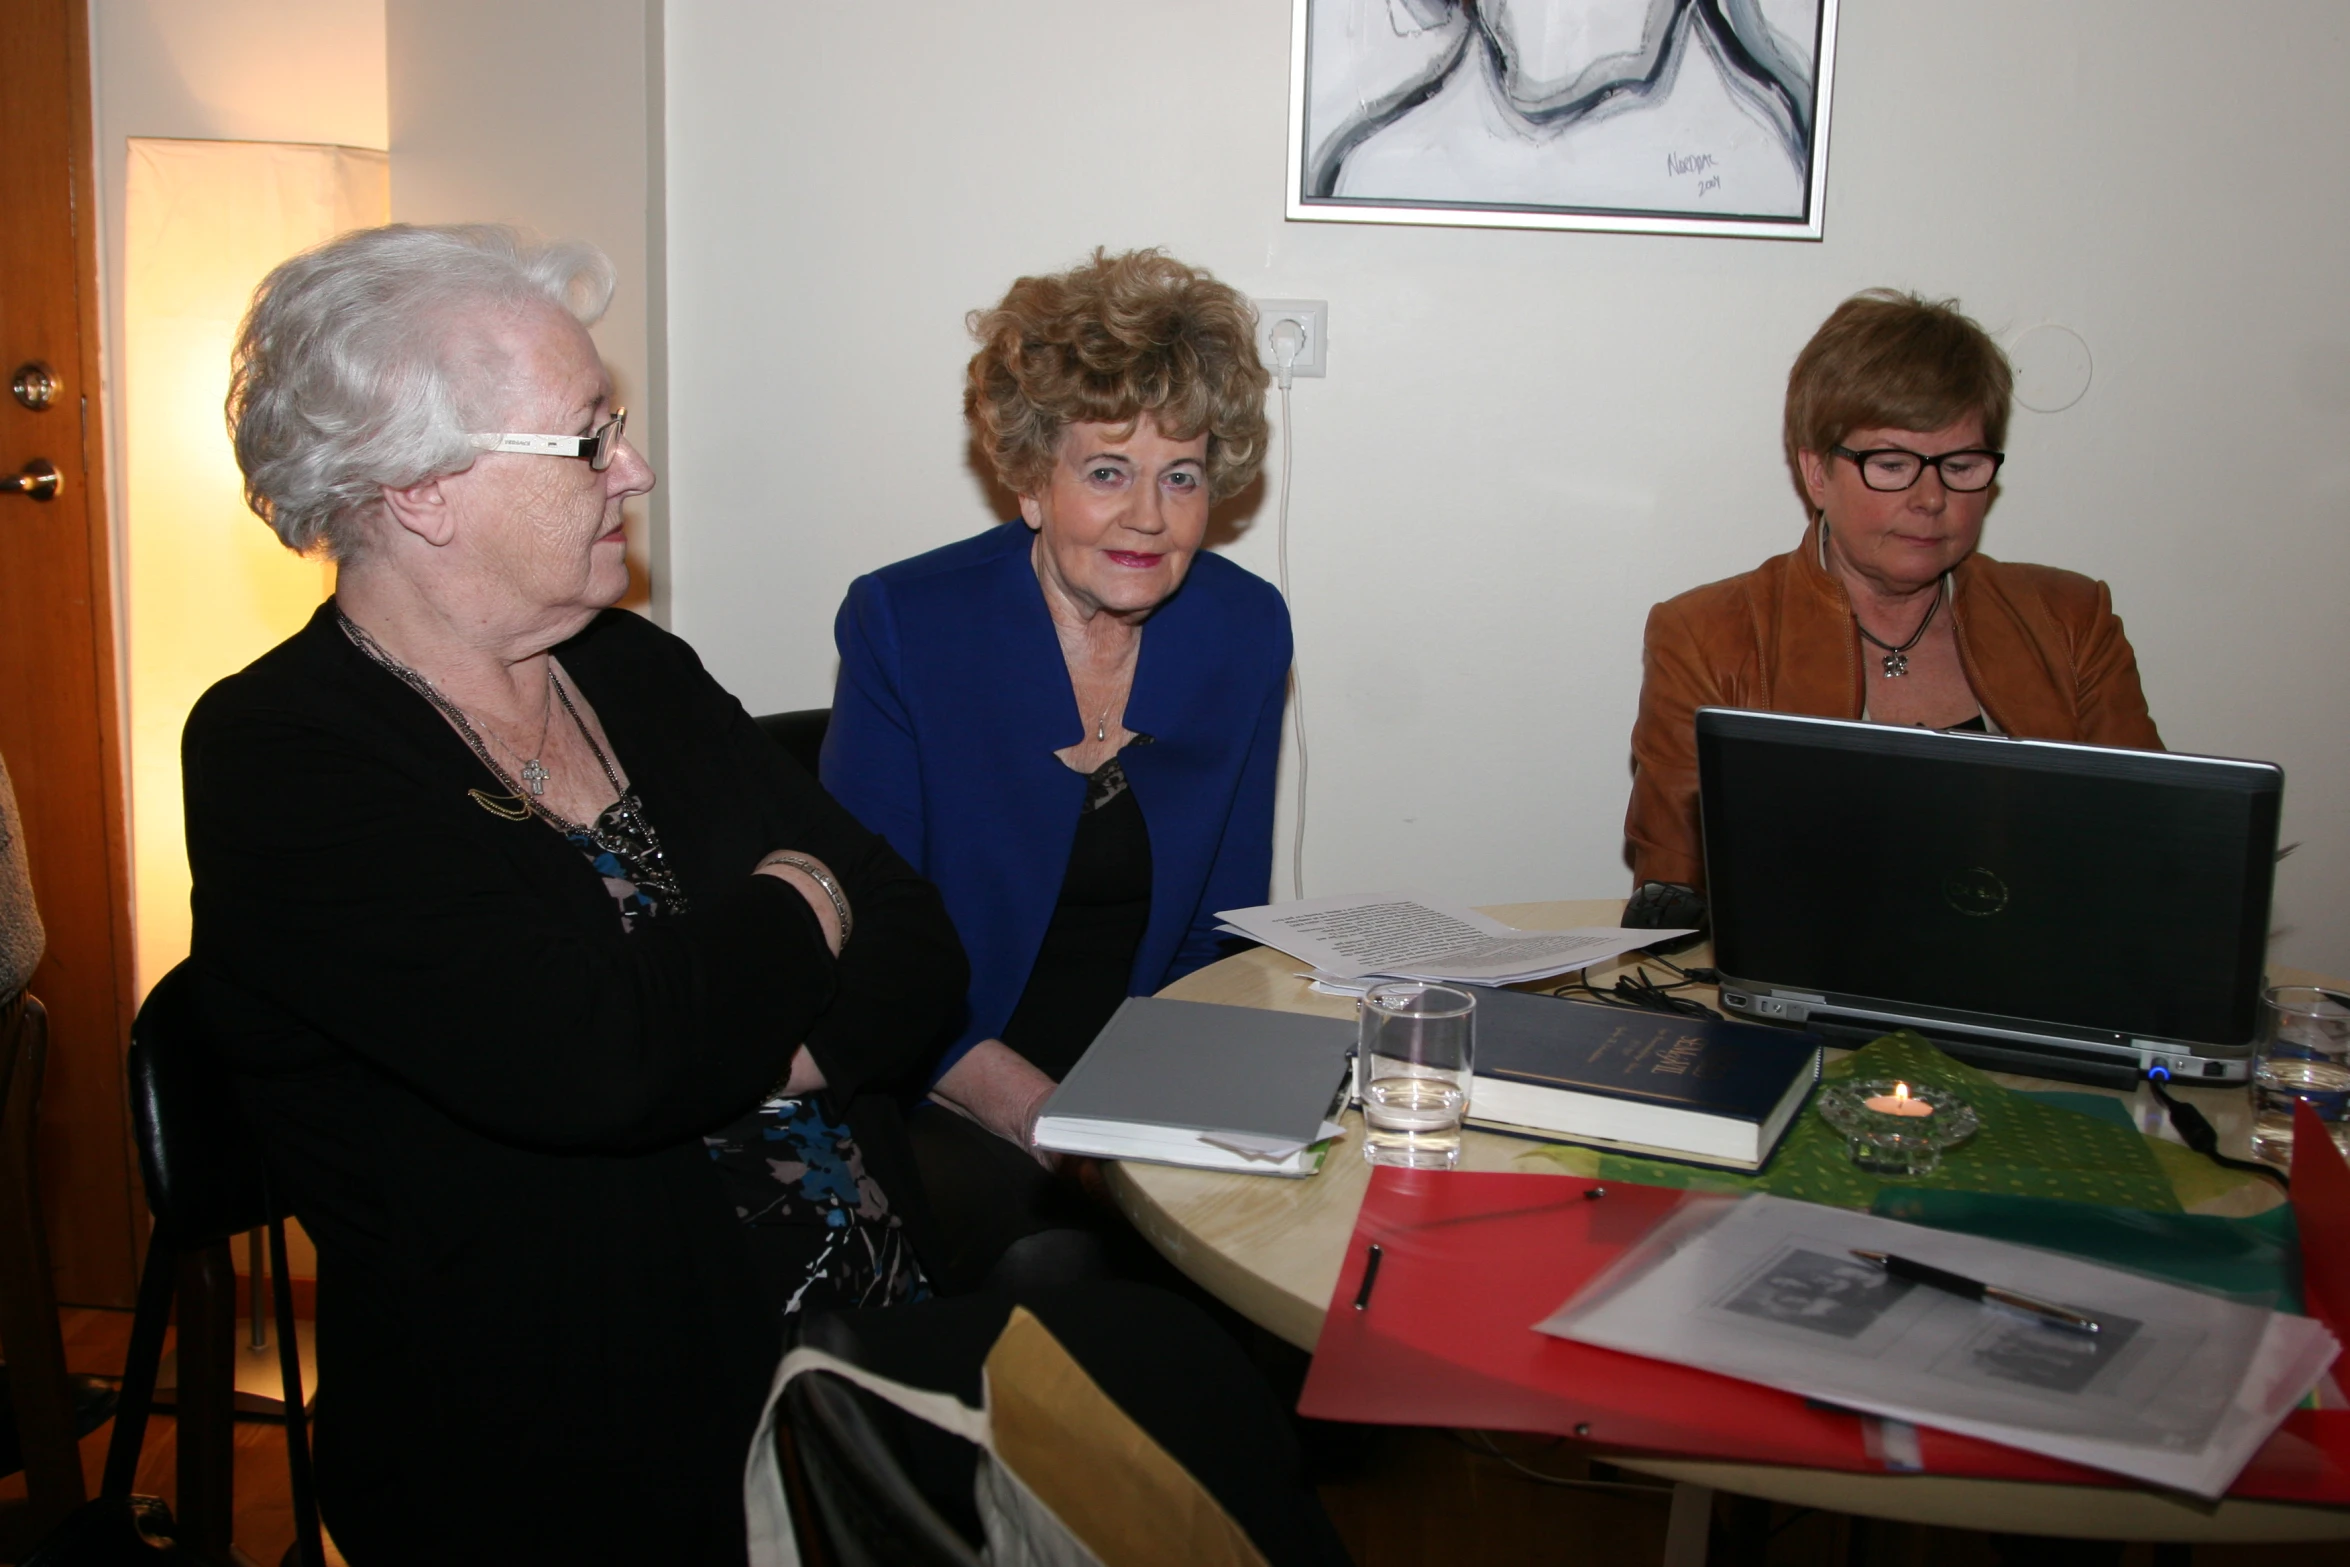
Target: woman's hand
pixel 994 1085
pixel 825 895
pixel 804 1078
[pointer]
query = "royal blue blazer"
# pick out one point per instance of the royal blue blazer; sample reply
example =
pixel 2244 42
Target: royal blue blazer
pixel 954 696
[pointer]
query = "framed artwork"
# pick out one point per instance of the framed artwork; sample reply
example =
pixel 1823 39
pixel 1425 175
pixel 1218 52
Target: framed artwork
pixel 1641 116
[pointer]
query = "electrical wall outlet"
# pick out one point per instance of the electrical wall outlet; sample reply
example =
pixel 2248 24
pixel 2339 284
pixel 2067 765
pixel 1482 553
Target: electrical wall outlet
pixel 1312 317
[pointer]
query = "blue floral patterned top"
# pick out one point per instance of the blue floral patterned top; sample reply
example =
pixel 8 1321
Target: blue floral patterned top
pixel 821 1230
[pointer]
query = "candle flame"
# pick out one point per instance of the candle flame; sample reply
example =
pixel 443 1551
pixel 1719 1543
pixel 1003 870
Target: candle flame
pixel 1901 1090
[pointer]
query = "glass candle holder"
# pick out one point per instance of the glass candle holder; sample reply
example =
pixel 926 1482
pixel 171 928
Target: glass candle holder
pixel 1893 1128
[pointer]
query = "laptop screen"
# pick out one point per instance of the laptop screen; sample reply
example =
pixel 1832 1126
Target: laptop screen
pixel 2121 892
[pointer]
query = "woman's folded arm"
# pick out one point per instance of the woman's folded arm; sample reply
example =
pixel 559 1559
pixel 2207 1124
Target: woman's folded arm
pixel 367 906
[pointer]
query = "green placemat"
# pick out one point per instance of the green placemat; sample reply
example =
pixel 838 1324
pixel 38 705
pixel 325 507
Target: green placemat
pixel 2193 1178
pixel 2257 1257
pixel 2102 1107
pixel 2027 1147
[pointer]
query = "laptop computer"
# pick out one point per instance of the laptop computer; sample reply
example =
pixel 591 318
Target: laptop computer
pixel 2031 906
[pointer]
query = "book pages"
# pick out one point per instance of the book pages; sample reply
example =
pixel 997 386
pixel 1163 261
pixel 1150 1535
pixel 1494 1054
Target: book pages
pixel 1402 935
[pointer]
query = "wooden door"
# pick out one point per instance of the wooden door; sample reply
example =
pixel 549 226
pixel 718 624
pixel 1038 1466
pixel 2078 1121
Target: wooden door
pixel 59 727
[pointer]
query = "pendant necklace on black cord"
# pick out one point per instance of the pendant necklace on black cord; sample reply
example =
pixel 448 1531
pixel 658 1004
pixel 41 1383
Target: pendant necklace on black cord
pixel 620 829
pixel 1896 659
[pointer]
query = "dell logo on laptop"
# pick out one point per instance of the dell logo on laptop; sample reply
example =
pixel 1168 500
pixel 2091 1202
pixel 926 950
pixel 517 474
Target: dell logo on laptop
pixel 1976 893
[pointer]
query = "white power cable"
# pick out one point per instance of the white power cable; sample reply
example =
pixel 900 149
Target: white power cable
pixel 1288 340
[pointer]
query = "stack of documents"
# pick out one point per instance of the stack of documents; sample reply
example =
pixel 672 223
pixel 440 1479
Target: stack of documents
pixel 1402 935
pixel 1217 1088
pixel 2174 1387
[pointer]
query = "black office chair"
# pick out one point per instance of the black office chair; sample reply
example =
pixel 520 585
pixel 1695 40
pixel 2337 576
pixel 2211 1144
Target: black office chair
pixel 206 1182
pixel 801 734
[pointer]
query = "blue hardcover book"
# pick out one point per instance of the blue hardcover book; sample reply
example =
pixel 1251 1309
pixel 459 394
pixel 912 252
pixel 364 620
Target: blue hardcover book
pixel 1642 1083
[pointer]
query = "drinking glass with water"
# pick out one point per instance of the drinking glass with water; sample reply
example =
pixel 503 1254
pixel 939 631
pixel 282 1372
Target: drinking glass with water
pixel 1413 1060
pixel 2304 1059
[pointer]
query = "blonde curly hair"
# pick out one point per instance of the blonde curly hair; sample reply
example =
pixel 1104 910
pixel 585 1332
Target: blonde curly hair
pixel 1105 343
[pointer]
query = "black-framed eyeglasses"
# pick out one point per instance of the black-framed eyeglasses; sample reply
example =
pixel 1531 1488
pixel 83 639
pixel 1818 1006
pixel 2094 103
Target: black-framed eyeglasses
pixel 1897 468
pixel 597 446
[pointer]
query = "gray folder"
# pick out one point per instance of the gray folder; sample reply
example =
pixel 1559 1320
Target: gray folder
pixel 1208 1068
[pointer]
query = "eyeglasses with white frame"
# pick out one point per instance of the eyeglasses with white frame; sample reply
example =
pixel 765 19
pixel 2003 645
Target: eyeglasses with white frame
pixel 597 446
pixel 1891 468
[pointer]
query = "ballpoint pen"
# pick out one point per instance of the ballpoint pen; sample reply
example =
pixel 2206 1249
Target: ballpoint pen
pixel 1975 1289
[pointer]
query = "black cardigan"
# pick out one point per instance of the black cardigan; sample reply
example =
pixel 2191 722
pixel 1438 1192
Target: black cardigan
pixel 538 1335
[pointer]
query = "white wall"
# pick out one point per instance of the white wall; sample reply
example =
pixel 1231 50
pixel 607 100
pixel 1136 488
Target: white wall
pixel 236 70
pixel 226 70
pixel 1528 438
pixel 543 114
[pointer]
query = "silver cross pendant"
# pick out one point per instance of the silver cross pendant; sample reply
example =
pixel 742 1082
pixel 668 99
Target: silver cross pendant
pixel 534 776
pixel 1896 665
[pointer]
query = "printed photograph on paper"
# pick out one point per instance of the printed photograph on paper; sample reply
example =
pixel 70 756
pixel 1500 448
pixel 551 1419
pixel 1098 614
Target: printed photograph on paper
pixel 1841 1297
pixel 2018 1349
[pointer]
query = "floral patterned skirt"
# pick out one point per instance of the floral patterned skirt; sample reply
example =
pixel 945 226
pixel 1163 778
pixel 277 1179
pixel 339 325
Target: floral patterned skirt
pixel 821 1231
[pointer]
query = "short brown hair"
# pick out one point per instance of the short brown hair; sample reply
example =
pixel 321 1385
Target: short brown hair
pixel 1107 342
pixel 1894 361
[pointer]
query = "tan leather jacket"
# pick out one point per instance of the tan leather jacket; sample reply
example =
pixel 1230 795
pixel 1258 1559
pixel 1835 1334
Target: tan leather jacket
pixel 2042 649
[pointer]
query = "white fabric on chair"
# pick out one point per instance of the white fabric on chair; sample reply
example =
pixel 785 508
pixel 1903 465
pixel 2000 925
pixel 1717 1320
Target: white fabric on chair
pixel 1021 1530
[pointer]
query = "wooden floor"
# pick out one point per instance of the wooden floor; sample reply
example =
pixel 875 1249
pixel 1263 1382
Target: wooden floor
pixel 95 1343
pixel 1401 1499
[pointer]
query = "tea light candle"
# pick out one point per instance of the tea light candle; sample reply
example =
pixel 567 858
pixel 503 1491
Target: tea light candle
pixel 1898 1102
pixel 1890 1129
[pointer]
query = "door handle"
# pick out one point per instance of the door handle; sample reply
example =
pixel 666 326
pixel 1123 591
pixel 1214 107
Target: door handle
pixel 38 478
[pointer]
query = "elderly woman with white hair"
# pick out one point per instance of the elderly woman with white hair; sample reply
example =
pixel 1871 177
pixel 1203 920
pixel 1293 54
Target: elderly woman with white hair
pixel 560 997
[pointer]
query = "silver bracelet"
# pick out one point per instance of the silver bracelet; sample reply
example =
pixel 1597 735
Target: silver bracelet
pixel 822 878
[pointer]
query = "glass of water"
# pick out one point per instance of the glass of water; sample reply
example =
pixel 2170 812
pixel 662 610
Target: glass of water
pixel 2304 1059
pixel 1413 1059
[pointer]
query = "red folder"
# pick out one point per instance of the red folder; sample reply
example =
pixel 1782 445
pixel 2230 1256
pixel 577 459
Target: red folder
pixel 1468 1262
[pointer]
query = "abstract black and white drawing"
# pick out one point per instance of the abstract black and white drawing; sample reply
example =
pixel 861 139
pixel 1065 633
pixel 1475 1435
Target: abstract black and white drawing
pixel 1659 116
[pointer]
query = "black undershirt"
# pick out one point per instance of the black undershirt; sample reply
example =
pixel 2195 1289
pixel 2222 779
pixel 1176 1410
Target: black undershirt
pixel 1087 960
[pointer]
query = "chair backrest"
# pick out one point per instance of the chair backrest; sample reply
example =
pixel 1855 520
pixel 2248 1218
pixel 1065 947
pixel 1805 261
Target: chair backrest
pixel 801 734
pixel 205 1179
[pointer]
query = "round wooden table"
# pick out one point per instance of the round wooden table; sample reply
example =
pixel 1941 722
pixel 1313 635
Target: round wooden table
pixel 1271 1250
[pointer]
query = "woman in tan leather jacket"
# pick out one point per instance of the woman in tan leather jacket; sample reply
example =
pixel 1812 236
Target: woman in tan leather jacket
pixel 1895 412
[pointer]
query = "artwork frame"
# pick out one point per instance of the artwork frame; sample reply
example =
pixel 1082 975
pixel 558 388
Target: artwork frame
pixel 1437 112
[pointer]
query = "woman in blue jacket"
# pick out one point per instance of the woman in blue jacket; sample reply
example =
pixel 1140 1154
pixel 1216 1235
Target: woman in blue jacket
pixel 1070 722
